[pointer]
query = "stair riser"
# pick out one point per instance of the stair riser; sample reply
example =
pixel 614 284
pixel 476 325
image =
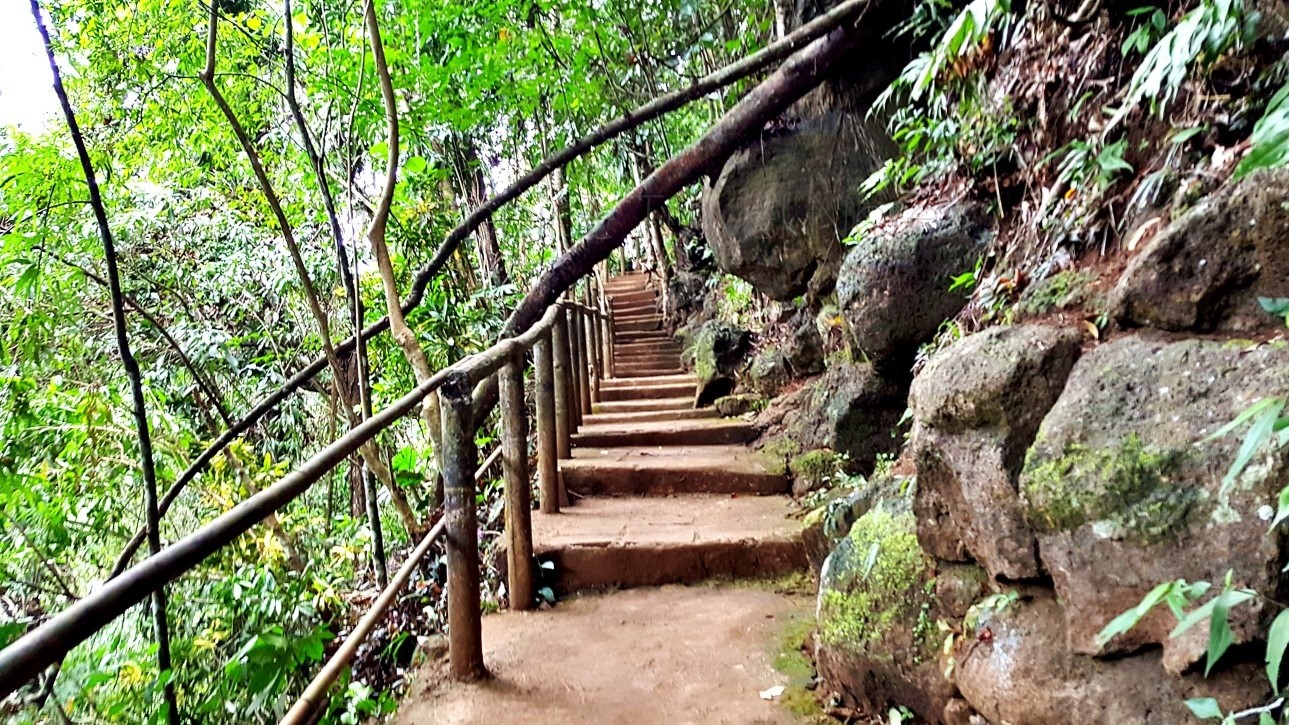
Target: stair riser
pixel 651 381
pixel 653 347
pixel 641 325
pixel 632 299
pixel 640 406
pixel 714 436
pixel 647 393
pixel 647 416
pixel 645 337
pixel 580 568
pixel 653 358
pixel 665 482
pixel 650 415
pixel 635 370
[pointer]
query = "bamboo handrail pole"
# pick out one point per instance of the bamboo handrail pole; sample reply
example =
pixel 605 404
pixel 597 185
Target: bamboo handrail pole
pixel 514 443
pixel 465 638
pixel 547 452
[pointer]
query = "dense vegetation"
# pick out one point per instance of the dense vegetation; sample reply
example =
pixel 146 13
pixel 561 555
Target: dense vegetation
pixel 244 154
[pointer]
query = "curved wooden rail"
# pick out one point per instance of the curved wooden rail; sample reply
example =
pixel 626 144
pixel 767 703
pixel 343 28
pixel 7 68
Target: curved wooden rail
pixel 28 656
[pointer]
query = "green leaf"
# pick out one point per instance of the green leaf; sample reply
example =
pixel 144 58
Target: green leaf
pixel 1130 618
pixel 1277 642
pixel 1258 434
pixel 414 164
pixel 1205 708
pixel 1219 633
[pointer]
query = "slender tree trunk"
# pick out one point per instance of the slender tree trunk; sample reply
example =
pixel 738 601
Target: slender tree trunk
pixel 473 187
pixel 161 626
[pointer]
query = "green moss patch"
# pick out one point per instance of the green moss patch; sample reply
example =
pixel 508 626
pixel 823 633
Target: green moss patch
pixel 1061 290
pixel 1129 487
pixel 816 467
pixel 883 585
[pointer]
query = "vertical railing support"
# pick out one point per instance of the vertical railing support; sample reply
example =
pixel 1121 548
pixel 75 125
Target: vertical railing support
pixel 597 352
pixel 610 351
pixel 564 405
pixel 547 451
pixel 465 636
pixel 574 362
pixel 514 464
pixel 583 364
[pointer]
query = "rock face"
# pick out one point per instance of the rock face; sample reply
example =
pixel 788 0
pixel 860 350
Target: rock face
pixel 714 350
pixel 976 407
pixel 804 349
pixel 1125 493
pixel 1020 672
pixel 1207 269
pixel 776 214
pixel 878 638
pixel 849 409
pixel 894 283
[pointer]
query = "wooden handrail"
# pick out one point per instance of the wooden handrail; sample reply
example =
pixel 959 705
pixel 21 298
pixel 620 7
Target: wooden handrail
pixel 26 657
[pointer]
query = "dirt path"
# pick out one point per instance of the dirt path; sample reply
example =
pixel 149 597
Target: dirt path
pixel 669 655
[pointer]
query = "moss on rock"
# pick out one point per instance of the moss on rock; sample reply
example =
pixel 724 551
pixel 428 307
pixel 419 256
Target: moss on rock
pixel 813 470
pixel 1127 487
pixel 883 585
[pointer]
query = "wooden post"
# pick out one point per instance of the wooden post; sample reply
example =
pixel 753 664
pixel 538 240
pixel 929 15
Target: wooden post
pixel 608 337
pixel 572 332
pixel 583 364
pixel 547 453
pixel 563 373
pixel 465 636
pixel 596 355
pixel 514 464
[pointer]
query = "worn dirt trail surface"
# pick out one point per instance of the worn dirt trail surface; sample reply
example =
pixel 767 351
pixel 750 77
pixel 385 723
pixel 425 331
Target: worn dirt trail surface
pixel 670 655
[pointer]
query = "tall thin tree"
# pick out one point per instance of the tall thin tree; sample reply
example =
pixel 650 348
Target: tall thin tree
pixel 161 626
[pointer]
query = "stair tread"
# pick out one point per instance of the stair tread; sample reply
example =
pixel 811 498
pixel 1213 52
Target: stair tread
pixel 680 521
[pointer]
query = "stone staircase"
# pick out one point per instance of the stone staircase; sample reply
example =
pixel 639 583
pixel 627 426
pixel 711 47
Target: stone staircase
pixel 662 492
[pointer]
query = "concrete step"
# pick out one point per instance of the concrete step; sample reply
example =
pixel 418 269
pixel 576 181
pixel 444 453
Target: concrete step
pixel 665 380
pixel 646 355
pixel 647 346
pixel 642 324
pixel 634 542
pixel 630 368
pixel 637 298
pixel 631 337
pixel 647 392
pixel 635 309
pixel 637 318
pixel 669 470
pixel 700 432
pixel 644 416
pixel 646 404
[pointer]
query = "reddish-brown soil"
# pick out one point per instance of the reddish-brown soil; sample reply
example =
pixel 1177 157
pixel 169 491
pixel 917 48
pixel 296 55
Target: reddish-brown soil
pixel 668 655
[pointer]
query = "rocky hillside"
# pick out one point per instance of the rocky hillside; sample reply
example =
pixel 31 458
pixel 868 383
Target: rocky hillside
pixel 994 296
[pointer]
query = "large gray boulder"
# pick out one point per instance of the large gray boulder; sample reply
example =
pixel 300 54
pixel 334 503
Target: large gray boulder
pixel 894 284
pixel 1207 269
pixel 976 407
pixel 1013 667
pixel 850 409
pixel 1125 492
pixel 776 214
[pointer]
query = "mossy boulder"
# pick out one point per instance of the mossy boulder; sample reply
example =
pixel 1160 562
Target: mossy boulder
pixel 713 351
pixel 767 373
pixel 1012 666
pixel 813 470
pixel 803 350
pixel 828 523
pixel 1125 491
pixel 850 409
pixel 976 407
pixel 1207 269
pixel 893 286
pixel 879 640
pixel 732 406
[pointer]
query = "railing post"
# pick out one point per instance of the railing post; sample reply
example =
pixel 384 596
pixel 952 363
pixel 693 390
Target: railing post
pixel 514 464
pixel 597 352
pixel 465 636
pixel 608 336
pixel 547 453
pixel 563 373
pixel 583 364
pixel 574 362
